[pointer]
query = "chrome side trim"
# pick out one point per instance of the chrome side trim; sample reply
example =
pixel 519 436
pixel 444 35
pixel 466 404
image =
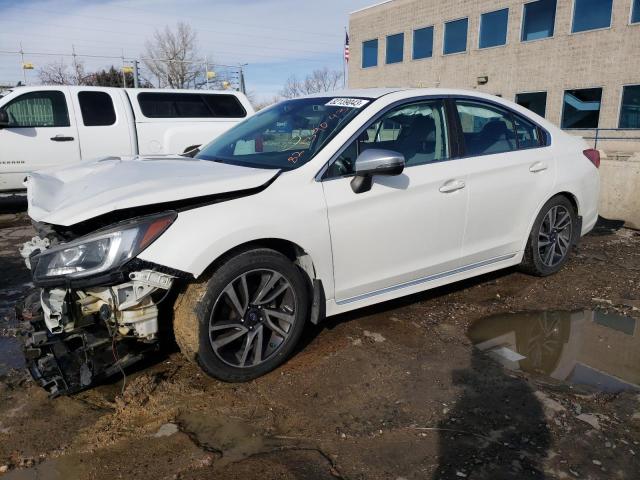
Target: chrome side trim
pixel 430 278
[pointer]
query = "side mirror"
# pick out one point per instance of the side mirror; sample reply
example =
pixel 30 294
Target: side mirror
pixel 4 118
pixel 375 162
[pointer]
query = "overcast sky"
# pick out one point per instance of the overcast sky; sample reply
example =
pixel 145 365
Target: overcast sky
pixel 276 38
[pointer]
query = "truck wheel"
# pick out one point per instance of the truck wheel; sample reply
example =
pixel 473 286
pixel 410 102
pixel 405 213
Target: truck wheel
pixel 246 318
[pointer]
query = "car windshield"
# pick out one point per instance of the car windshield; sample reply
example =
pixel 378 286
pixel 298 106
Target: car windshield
pixel 286 135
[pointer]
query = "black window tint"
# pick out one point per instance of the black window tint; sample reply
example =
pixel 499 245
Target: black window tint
pixel 630 109
pixel 486 129
pixel 224 106
pixel 536 102
pixel 97 109
pixel 581 108
pixel 417 130
pixel 38 109
pixel 539 20
pixel 527 134
pixel 635 12
pixel 189 105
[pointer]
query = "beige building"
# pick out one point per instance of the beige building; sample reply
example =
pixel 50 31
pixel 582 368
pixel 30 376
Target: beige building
pixel 576 62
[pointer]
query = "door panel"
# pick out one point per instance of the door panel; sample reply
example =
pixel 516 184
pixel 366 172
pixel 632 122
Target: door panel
pixel 507 180
pixel 407 227
pixel 41 134
pixel 102 124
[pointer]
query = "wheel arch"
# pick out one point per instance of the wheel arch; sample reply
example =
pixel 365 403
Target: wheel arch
pixel 298 256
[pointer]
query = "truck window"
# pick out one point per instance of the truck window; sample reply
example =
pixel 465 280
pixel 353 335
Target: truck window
pixel 97 109
pixel 38 109
pixel 190 105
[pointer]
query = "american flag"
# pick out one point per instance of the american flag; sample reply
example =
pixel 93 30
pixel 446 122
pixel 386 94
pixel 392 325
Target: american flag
pixel 346 47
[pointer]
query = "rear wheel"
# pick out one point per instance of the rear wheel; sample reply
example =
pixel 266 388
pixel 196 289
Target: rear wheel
pixel 246 319
pixel 551 238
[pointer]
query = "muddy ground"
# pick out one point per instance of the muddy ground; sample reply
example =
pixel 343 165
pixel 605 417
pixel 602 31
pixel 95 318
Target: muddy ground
pixel 391 392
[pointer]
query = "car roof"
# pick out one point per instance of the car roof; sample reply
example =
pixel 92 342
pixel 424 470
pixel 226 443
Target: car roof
pixel 356 93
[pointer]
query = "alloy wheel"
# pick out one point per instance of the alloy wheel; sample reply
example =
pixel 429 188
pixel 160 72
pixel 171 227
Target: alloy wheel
pixel 252 317
pixel 554 237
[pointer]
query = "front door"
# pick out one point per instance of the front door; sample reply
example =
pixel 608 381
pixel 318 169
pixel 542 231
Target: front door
pixel 407 227
pixel 40 134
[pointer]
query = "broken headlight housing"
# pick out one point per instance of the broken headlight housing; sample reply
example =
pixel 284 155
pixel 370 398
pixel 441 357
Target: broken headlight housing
pixel 102 250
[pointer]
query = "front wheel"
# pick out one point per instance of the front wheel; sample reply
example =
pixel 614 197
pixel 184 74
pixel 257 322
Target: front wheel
pixel 551 238
pixel 246 319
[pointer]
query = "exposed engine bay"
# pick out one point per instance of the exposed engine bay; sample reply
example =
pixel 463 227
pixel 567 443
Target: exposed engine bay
pixel 81 335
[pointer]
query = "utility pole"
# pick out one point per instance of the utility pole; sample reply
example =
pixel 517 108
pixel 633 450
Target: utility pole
pixel 75 63
pixel 124 74
pixel 243 87
pixel 24 71
pixel 136 80
pixel 206 71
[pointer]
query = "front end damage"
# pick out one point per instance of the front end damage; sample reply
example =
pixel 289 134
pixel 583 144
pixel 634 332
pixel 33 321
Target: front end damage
pixel 86 330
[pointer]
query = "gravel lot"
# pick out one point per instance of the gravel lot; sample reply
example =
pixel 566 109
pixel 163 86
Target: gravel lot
pixel 390 392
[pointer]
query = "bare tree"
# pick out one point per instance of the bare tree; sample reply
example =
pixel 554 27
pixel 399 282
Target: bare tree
pixel 59 73
pixel 322 80
pixel 172 56
pixel 262 103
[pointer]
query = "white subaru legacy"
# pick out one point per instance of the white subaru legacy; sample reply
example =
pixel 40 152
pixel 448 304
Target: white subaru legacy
pixel 312 207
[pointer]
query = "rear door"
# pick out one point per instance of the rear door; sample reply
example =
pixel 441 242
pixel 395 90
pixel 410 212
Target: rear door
pixel 41 134
pixel 103 124
pixel 510 171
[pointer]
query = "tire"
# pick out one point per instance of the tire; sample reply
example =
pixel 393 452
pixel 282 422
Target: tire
pixel 206 316
pixel 537 255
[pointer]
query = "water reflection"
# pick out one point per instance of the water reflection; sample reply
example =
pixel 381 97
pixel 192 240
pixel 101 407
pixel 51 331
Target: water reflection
pixel 591 347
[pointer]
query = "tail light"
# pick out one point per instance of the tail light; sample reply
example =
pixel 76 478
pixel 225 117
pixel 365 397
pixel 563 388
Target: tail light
pixel 593 156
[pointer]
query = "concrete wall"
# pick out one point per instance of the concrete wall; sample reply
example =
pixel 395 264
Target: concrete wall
pixel 620 189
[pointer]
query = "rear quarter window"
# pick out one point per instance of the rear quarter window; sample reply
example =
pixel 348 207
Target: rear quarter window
pixel 190 105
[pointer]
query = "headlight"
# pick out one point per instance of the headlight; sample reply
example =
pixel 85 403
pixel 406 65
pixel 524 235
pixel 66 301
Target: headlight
pixel 102 250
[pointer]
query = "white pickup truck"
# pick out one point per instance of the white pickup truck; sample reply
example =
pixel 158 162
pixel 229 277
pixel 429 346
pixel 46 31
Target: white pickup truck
pixel 46 126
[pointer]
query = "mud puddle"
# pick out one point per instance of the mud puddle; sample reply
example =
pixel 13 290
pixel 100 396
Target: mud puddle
pixel 590 348
pixel 11 356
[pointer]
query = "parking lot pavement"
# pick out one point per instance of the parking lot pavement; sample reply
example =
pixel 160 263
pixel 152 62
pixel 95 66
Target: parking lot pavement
pixel 393 391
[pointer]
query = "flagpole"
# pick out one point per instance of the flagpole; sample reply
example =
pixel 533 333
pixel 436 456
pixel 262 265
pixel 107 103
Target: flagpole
pixel 344 61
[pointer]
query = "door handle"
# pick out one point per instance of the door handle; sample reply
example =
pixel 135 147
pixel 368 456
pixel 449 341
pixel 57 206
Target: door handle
pixel 62 138
pixel 452 186
pixel 538 167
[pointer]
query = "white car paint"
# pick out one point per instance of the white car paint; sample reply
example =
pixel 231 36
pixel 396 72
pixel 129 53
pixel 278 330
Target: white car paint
pixel 402 237
pixel 23 150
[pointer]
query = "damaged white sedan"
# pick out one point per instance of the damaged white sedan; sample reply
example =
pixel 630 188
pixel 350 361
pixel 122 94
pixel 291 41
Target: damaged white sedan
pixel 313 207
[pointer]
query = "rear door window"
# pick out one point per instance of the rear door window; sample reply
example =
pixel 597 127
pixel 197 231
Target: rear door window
pixel 97 109
pixel 46 108
pixel 190 105
pixel 486 129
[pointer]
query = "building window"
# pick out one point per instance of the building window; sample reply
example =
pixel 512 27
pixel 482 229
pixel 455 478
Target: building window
pixel 455 36
pixel 538 20
pixel 581 108
pixel 635 11
pixel 591 15
pixel 630 109
pixel 423 43
pixel 370 53
pixel 493 28
pixel 536 102
pixel 395 48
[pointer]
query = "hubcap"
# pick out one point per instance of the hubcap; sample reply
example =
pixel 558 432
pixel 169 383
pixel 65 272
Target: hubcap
pixel 252 318
pixel 554 237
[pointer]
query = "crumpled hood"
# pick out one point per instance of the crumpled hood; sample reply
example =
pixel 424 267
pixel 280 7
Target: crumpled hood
pixel 72 194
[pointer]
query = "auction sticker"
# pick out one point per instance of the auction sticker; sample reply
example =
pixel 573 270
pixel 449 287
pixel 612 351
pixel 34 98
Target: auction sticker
pixel 347 102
